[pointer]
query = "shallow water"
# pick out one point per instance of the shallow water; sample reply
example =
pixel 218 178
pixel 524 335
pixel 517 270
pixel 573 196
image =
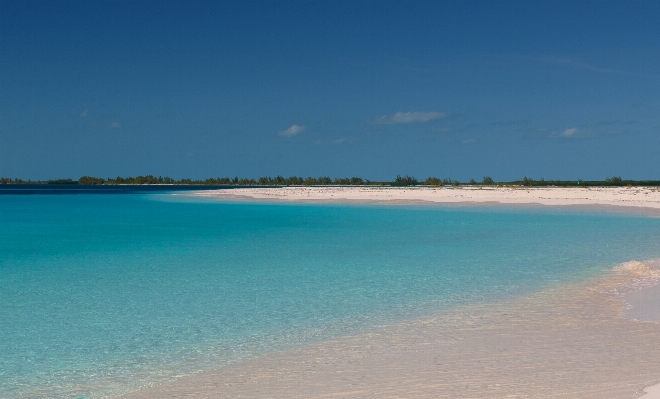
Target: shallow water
pixel 568 341
pixel 644 304
pixel 103 294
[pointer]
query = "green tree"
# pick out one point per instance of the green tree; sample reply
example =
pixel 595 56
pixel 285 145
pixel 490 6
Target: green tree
pixel 91 180
pixel 405 181
pixel 614 181
pixel 433 181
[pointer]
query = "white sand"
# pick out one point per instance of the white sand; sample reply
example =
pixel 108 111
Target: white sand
pixel 645 306
pixel 635 197
pixel 652 392
pixel 562 343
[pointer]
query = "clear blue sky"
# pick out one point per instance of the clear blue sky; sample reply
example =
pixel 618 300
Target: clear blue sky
pixel 357 88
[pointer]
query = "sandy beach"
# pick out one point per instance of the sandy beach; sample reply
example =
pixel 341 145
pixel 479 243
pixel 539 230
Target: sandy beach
pixel 565 342
pixel 627 199
pixel 568 342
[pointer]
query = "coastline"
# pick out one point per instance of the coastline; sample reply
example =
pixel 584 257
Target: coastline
pixel 590 349
pixel 644 197
pixel 568 341
pixel 641 201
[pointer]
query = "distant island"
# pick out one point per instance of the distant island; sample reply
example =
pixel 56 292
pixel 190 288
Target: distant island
pixel 614 181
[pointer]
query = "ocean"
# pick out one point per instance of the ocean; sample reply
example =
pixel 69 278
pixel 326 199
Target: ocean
pixel 103 293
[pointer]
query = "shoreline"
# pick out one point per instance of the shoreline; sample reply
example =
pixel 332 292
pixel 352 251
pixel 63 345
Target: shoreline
pixel 568 341
pixel 400 360
pixel 642 201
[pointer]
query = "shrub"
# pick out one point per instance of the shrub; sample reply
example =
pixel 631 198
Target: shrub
pixel 614 180
pixel 405 181
pixel 433 181
pixel 91 180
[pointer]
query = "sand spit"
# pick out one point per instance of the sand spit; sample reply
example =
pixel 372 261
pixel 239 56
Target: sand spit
pixel 564 342
pixel 637 197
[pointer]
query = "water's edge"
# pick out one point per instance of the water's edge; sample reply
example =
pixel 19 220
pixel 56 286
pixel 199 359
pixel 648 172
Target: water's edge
pixel 134 290
pixel 565 326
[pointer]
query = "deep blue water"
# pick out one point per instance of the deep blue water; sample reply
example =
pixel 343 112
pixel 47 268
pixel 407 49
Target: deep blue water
pixel 68 189
pixel 101 293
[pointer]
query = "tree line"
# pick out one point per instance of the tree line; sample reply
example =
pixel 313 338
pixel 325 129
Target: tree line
pixel 215 181
pixel 399 181
pixel 614 181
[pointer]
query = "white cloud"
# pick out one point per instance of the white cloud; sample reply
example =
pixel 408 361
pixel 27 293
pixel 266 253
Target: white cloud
pixel 580 133
pixel 408 117
pixel 116 125
pixel 292 131
pixel 84 113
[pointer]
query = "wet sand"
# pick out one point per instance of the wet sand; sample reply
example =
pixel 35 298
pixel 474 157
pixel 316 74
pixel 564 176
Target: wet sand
pixel 564 342
pixel 645 304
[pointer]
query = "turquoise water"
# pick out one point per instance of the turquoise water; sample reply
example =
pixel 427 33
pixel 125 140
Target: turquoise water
pixel 103 293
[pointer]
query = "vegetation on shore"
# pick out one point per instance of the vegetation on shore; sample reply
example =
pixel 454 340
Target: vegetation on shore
pixel 614 181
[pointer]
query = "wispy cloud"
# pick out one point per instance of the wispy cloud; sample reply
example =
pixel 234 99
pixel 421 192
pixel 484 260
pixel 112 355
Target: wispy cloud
pixel 292 131
pixel 577 64
pixel 408 117
pixel 115 125
pixel 588 131
pixel 468 141
pixel 84 113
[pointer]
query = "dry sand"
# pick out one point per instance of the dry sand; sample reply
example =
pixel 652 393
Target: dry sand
pixel 626 198
pixel 565 342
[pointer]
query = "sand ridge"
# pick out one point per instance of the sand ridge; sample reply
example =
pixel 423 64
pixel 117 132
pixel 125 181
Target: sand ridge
pixel 637 197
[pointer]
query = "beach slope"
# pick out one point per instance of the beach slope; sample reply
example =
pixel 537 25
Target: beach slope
pixel 629 199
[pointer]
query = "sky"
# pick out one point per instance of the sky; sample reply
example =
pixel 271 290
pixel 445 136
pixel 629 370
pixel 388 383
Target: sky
pixel 375 89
